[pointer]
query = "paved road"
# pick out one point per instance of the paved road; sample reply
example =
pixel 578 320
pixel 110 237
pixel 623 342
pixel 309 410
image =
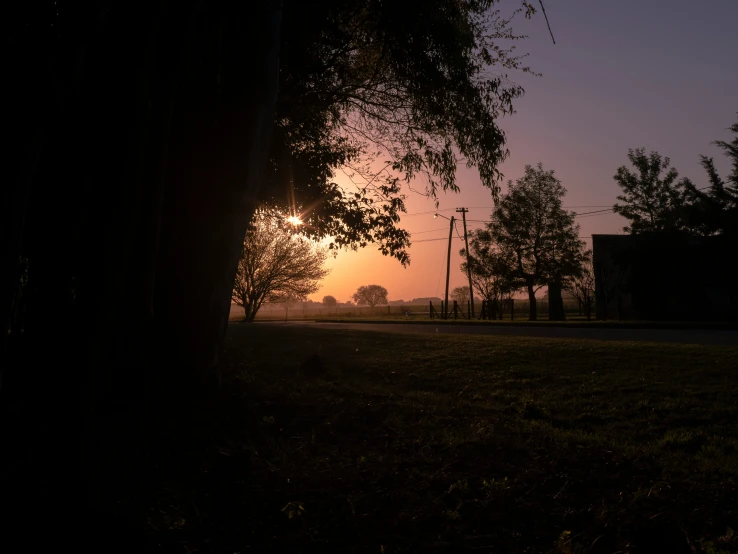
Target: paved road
pixel 725 338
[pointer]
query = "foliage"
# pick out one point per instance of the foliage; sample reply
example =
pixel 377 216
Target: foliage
pixel 493 272
pixel 650 201
pixel 370 294
pixel 715 211
pixel 329 301
pixel 461 295
pixel 387 93
pixel 653 200
pixel 582 284
pixel 276 266
pixel 530 227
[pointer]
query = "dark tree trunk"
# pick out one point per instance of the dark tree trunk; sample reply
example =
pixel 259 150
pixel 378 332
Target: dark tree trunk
pixel 251 311
pixel 137 204
pixel 532 307
pixel 215 174
pixel 555 302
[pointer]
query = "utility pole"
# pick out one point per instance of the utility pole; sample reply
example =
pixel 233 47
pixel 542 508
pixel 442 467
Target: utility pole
pixel 468 264
pixel 448 265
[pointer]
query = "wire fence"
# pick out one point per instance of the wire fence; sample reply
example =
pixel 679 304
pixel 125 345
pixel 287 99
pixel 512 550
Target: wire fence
pixel 276 312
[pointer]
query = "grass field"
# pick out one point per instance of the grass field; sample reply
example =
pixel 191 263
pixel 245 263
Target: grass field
pixel 409 443
pixel 417 312
pixel 572 320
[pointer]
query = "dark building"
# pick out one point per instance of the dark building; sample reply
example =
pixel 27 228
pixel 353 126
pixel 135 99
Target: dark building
pixel 665 276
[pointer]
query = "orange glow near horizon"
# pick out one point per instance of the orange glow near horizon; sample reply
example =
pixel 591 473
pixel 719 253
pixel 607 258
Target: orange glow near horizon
pixel 581 132
pixel 429 229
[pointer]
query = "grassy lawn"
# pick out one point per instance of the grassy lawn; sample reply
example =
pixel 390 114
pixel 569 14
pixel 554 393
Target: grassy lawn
pixel 438 443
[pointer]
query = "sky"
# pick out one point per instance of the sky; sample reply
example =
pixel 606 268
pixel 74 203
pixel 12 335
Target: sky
pixel 662 74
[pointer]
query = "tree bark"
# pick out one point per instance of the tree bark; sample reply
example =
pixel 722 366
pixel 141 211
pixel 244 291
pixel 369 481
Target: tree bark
pixel 214 196
pixel 139 201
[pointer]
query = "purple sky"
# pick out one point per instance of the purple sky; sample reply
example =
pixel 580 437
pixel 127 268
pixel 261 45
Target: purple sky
pixel 662 74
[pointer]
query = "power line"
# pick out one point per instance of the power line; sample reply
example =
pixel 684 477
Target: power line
pixel 585 214
pixel 597 215
pixel 427 213
pixel 428 240
pixel 457 230
pixel 421 232
pixel 444 238
pixel 430 212
pixel 594 212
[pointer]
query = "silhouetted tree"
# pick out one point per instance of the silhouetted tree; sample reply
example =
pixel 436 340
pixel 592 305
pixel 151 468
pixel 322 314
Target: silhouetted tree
pixel 385 93
pixel 370 294
pixel 530 227
pixel 652 197
pixel 330 301
pixel 715 211
pixel 494 274
pixel 461 295
pixel 582 284
pixel 136 162
pixel 276 265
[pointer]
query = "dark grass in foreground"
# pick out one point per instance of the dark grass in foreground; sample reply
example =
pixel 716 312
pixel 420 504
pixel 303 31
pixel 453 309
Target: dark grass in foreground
pixel 413 443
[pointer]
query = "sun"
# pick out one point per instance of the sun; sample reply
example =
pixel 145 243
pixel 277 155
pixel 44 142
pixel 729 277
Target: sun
pixel 294 220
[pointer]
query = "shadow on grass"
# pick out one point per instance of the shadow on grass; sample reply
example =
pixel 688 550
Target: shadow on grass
pixel 440 444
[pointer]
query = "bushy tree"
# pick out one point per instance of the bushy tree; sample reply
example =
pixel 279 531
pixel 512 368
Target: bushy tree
pixel 582 284
pixel 384 93
pixel 276 265
pixel 371 295
pixel 654 200
pixel 329 301
pixel 715 210
pixel 530 227
pixel 651 197
pixel 461 295
pixel 493 272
